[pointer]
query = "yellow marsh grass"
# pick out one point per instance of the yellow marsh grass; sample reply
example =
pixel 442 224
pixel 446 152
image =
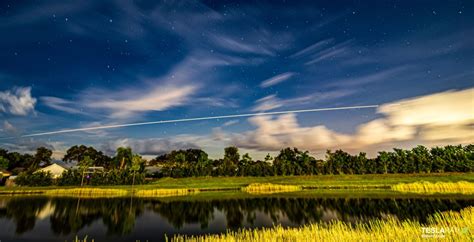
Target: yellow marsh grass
pixel 462 187
pixel 87 192
pixel 165 192
pixel 461 226
pixel 266 188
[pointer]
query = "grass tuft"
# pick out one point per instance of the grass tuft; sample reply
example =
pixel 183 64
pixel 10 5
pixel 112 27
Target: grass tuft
pixel 266 188
pixel 165 192
pixel 462 187
pixel 87 192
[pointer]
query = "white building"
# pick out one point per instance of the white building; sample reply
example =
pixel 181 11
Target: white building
pixel 55 170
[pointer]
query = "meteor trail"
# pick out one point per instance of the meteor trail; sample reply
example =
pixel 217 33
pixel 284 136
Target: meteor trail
pixel 195 119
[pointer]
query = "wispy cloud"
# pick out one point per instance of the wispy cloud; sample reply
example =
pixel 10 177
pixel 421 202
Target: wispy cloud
pixel 312 48
pixel 158 99
pixel 43 11
pixel 370 78
pixel 241 47
pixel 17 101
pixel 272 102
pixel 277 79
pixel 267 103
pixel 9 128
pixel 230 123
pixel 60 104
pixel 330 52
pixel 181 86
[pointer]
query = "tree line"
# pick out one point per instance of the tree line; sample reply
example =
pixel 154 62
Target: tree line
pixel 290 161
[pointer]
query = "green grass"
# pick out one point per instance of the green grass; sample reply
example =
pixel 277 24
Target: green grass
pixel 320 181
pixel 323 182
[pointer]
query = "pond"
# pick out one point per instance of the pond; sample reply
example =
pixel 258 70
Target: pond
pixel 38 218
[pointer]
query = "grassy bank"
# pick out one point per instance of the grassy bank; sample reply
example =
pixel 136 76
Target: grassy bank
pixel 456 227
pixel 326 182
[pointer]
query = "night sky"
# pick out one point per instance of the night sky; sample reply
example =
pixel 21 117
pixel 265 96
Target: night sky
pixel 75 64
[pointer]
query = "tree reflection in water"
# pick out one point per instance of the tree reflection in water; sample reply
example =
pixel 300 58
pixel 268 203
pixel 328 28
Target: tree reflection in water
pixel 69 215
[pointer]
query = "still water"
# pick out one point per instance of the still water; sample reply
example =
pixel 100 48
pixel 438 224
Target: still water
pixel 36 218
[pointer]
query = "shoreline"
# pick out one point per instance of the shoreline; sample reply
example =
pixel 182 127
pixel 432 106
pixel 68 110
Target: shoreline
pixel 320 183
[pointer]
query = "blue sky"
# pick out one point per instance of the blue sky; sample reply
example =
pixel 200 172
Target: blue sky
pixel 74 64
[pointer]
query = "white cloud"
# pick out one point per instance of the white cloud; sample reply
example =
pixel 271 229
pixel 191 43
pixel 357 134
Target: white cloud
pixel 277 79
pixel 435 119
pixel 17 101
pixel 275 134
pixel 60 104
pixel 445 108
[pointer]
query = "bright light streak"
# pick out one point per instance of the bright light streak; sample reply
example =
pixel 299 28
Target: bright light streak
pixel 194 119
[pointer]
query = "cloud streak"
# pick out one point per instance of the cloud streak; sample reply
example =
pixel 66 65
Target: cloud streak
pixel 312 48
pixel 277 79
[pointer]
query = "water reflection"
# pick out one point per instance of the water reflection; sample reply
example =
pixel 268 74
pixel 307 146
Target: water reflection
pixel 118 216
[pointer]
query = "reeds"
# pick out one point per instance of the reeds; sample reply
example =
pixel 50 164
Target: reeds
pixel 267 188
pixel 462 187
pixel 165 192
pixel 87 192
pixel 81 240
pixel 456 226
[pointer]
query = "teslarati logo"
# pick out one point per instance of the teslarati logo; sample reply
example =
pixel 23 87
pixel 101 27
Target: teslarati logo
pixel 441 232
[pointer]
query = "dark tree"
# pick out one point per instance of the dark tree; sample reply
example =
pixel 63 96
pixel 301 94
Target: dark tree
pixel 42 157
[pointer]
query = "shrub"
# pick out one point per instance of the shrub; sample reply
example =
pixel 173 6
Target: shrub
pixel 69 178
pixel 36 179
